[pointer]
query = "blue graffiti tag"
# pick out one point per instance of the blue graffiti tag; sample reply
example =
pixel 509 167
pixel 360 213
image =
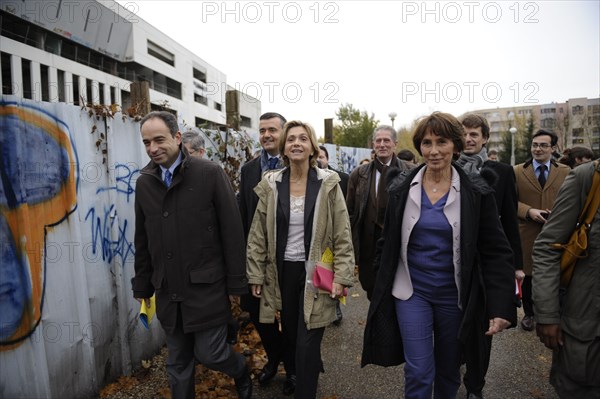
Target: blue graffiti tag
pixel 101 234
pixel 123 185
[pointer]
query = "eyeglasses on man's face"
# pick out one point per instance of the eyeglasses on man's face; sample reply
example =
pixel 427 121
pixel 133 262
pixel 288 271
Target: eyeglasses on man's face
pixel 543 146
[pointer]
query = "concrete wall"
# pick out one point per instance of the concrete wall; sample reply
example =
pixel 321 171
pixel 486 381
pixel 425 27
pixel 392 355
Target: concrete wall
pixel 68 322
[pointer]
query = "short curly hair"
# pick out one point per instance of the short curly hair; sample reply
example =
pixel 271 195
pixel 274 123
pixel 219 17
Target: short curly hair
pixel 443 125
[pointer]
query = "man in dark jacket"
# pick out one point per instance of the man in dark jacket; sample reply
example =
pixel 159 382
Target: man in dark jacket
pixel 501 177
pixel 190 252
pixel 367 200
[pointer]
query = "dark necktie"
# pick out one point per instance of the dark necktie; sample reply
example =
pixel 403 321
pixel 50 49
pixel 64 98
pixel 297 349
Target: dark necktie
pixel 542 176
pixel 168 178
pixel 273 163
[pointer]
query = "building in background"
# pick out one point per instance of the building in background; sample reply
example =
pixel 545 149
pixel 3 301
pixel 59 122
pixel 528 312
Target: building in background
pixel 91 51
pixel 576 122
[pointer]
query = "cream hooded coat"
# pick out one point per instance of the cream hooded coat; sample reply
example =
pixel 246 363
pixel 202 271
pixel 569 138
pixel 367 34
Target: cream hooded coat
pixel 331 228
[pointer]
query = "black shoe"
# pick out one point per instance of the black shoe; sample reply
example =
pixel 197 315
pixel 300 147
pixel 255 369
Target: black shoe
pixel 267 373
pixel 472 395
pixel 243 385
pixel 289 385
pixel 527 323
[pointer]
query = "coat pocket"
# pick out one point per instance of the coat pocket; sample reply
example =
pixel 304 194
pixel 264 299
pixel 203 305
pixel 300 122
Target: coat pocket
pixel 207 275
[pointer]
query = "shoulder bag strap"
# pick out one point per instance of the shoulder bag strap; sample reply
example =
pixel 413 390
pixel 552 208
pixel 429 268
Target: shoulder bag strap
pixel 593 199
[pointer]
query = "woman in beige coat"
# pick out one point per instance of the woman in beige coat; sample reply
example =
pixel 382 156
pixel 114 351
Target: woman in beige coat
pixel 301 212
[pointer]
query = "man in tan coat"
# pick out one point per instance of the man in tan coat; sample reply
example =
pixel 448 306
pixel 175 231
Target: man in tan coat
pixel 538 182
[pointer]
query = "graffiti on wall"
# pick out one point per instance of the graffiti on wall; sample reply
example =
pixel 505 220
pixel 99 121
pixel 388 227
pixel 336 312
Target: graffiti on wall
pixel 39 178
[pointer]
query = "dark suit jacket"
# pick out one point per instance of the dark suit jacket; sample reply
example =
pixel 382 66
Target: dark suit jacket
pixel 343 180
pixel 506 200
pixel 250 176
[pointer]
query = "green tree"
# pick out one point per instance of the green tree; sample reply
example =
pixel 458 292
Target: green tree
pixel 355 128
pixel 526 127
pixel 405 139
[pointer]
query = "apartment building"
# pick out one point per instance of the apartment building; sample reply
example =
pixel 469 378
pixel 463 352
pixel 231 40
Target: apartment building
pixel 576 121
pixel 91 51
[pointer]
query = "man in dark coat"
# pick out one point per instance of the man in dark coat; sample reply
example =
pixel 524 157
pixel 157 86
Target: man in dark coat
pixel 486 281
pixel 190 253
pixel 270 128
pixel 367 200
pixel 501 177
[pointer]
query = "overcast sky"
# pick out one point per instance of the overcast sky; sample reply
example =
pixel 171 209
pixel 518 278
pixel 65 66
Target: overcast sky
pixel 305 58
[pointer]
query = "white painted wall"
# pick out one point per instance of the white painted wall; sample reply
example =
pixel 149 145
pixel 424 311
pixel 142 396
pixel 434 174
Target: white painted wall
pixel 88 333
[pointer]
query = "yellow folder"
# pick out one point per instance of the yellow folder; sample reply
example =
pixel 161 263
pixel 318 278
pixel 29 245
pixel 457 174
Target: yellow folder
pixel 147 312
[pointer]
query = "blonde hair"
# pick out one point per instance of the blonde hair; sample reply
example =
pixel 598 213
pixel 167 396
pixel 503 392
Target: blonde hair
pixel 311 135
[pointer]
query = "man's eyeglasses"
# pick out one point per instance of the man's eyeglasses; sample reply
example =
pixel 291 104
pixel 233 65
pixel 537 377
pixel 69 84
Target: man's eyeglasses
pixel 543 146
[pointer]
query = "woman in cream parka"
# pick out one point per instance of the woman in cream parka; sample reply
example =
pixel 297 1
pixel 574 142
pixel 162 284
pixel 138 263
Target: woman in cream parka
pixel 300 213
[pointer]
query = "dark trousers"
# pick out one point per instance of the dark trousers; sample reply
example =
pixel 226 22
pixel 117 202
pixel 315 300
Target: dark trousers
pixel 303 346
pixel 477 358
pixel 526 296
pixel 271 337
pixel 208 347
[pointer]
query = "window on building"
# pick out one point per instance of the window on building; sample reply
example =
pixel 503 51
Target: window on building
pixel 26 75
pixel 245 121
pixel 205 124
pixel 158 52
pixel 60 76
pixel 577 132
pixel 200 99
pixel 577 110
pixel 53 44
pixel 200 75
pixel 90 96
pixel 45 82
pixel 69 50
pixel 6 73
pixel 101 93
pixel 218 106
pixel 75 89
pixel 113 98
pixel 125 100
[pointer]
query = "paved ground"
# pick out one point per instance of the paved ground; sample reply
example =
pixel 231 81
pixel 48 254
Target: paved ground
pixel 519 367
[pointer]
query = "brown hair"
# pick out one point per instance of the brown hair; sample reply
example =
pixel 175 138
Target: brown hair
pixel 474 121
pixel 443 125
pixel 311 135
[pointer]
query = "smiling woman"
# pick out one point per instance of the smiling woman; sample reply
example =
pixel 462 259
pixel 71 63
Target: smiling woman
pixel 442 270
pixel 301 212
